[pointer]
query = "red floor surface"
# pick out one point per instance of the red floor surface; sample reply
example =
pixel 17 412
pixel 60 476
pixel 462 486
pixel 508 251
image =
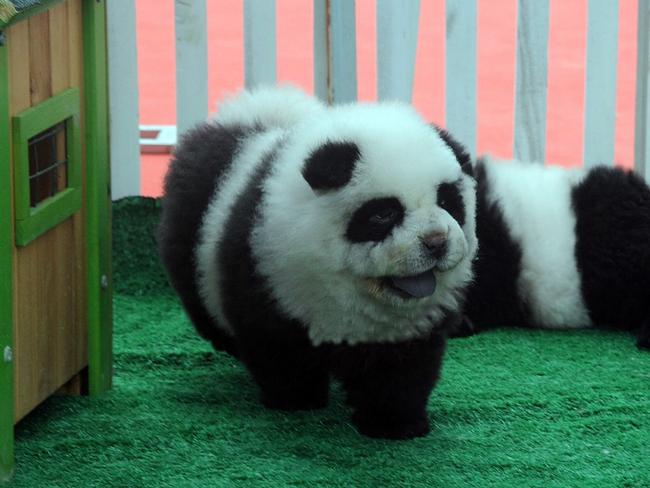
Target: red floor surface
pixel 496 69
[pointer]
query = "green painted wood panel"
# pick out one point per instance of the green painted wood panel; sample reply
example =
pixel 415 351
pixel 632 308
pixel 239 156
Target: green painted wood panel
pixel 98 198
pixel 6 280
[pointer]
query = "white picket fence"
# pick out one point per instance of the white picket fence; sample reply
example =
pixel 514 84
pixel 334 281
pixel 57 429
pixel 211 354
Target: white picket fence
pixel 335 66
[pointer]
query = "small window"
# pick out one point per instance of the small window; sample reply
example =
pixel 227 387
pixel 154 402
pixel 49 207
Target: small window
pixel 47 165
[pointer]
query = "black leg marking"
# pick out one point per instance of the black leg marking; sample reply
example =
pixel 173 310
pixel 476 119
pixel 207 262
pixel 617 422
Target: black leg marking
pixel 388 385
pixel 464 328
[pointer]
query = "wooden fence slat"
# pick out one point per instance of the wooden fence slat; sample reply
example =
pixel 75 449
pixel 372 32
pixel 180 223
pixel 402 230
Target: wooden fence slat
pixel 259 42
pixel 397 38
pixel 642 124
pixel 123 99
pixel 531 80
pixel 342 51
pixel 321 59
pixel 191 63
pixel 600 83
pixel 460 71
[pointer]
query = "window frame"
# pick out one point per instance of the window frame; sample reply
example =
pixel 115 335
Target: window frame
pixel 31 222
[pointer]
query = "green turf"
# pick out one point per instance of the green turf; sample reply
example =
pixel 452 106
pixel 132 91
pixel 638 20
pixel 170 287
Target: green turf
pixel 515 408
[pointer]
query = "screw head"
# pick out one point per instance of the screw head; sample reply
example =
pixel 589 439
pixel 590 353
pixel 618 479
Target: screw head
pixel 8 354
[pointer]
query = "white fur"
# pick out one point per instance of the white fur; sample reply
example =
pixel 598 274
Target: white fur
pixel 319 277
pixel 536 205
pixel 279 107
pixel 216 216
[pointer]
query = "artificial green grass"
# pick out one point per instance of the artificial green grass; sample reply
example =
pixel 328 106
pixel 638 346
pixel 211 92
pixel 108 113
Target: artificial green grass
pixel 514 408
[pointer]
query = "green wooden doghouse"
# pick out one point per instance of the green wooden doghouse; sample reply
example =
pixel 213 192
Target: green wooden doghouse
pixel 55 293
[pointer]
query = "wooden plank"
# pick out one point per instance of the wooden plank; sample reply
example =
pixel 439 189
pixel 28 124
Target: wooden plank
pixel 600 83
pixel 59 47
pixel 642 123
pixel 40 61
pixel 98 210
pixel 48 351
pixel 6 276
pixel 531 80
pixel 460 71
pixel 342 51
pixel 19 60
pixel 397 38
pixel 259 42
pixel 321 50
pixel 123 99
pixel 75 46
pixel 191 63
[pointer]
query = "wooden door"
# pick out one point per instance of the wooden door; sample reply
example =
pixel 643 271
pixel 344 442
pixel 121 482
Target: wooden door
pixel 50 316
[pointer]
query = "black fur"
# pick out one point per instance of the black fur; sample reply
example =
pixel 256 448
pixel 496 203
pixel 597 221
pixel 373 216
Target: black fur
pixel 203 155
pixel 612 209
pixel 331 165
pixel 388 385
pixel 451 200
pixel 375 220
pixel 493 298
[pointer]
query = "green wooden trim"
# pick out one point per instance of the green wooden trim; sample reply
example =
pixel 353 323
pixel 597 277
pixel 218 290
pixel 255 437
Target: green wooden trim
pixel 98 223
pixel 28 12
pixel 6 280
pixel 47 215
pixel 34 221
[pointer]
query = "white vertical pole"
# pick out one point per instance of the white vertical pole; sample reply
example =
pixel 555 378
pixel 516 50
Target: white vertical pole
pixel 321 50
pixel 342 51
pixel 397 37
pixel 531 80
pixel 335 52
pixel 600 83
pixel 259 42
pixel 123 99
pixel 642 125
pixel 191 63
pixel 460 71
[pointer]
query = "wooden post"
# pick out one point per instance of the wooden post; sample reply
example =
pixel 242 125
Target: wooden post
pixel 642 126
pixel 259 43
pixel 600 82
pixel 191 63
pixel 6 281
pixel 531 80
pixel 123 99
pixel 335 52
pixel 397 39
pixel 98 210
pixel 460 71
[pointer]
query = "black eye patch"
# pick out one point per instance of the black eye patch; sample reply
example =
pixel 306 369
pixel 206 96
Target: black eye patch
pixel 331 165
pixel 450 200
pixel 375 220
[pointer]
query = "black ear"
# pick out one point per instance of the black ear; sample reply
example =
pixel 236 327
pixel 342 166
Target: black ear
pixel 463 157
pixel 330 166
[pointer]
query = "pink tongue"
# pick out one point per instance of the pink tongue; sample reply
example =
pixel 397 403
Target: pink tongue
pixel 418 286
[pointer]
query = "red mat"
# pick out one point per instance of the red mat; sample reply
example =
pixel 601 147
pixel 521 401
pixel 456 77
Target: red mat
pixel 496 68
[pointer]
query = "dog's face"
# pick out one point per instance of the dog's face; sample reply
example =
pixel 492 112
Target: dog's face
pixel 398 199
pixel 380 209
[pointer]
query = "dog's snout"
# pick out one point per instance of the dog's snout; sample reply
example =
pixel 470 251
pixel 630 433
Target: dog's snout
pixel 435 244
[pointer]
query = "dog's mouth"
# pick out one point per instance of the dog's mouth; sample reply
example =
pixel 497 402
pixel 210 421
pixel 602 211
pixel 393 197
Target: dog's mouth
pixel 408 287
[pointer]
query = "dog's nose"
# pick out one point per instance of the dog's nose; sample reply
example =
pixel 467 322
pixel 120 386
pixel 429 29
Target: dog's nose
pixel 435 244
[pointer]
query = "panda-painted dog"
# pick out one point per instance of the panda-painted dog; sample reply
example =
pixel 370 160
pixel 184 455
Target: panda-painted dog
pixel 561 248
pixel 317 242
